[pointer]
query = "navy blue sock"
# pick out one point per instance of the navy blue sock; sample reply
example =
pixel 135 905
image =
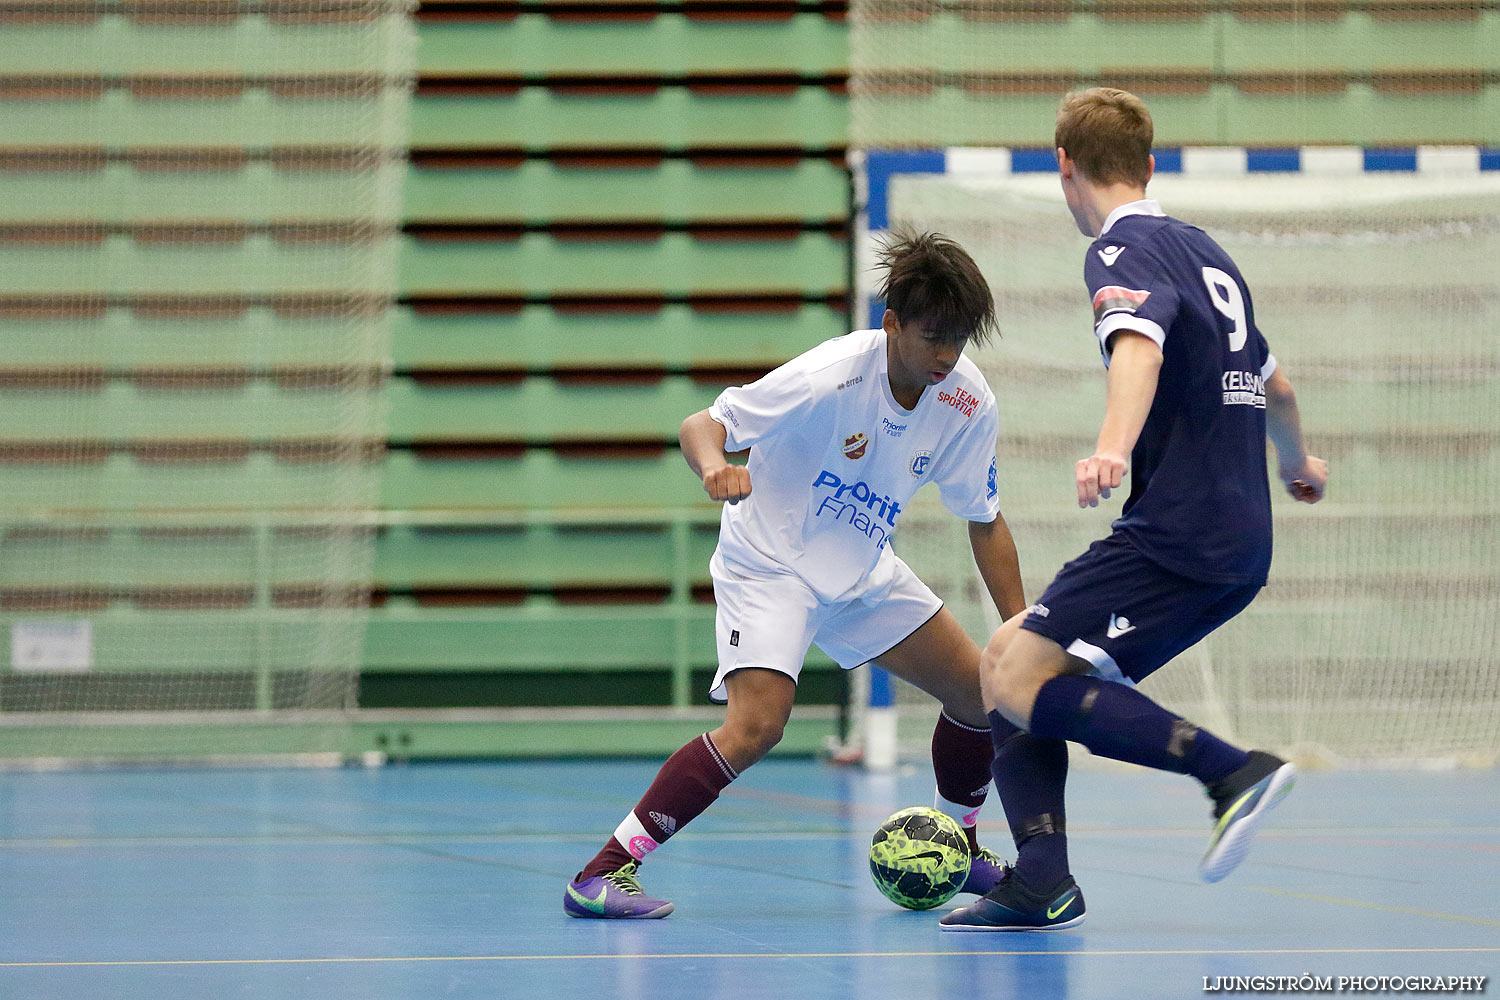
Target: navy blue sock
pixel 1117 721
pixel 1030 773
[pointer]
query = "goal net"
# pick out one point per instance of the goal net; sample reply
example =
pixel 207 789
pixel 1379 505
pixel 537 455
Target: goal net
pixel 199 203
pixel 1379 293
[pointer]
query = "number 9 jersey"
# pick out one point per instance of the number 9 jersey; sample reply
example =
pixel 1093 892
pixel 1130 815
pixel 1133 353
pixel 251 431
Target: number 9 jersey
pixel 1200 502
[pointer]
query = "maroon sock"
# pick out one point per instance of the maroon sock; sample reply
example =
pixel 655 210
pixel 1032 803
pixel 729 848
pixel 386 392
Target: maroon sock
pixel 686 785
pixel 961 758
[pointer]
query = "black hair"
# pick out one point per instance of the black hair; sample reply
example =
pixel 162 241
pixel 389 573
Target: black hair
pixel 928 277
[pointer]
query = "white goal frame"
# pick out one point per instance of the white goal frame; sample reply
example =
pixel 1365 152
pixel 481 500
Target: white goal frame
pixel 875 735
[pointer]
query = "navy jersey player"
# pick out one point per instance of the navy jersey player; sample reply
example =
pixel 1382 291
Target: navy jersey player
pixel 1192 393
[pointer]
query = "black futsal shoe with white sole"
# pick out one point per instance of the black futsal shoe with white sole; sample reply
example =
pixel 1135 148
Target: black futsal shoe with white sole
pixel 1241 802
pixel 1012 905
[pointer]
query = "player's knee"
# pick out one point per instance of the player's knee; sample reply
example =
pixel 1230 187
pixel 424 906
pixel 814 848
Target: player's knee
pixel 750 739
pixel 989 657
pixel 994 651
pixel 1011 685
pixel 759 737
pixel 1006 684
pixel 999 671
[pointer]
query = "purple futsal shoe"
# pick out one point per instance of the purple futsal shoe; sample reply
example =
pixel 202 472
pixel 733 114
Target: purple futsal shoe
pixel 985 871
pixel 615 895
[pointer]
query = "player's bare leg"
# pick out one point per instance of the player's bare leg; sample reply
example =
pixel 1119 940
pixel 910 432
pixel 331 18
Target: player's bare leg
pixel 1014 667
pixel 941 659
pixel 760 702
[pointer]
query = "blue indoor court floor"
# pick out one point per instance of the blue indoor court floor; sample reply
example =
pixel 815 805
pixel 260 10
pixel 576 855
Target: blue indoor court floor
pixel 446 880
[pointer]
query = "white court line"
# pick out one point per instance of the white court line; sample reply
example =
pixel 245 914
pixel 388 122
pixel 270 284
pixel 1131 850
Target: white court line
pixel 1085 952
pixel 426 836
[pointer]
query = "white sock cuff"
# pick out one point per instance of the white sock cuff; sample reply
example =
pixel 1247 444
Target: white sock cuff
pixel 964 816
pixel 632 836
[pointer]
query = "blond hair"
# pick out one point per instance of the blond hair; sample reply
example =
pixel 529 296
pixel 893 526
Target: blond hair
pixel 1107 133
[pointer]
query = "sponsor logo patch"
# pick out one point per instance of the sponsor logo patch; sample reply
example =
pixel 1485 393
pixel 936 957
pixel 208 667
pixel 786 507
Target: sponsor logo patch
pixel 961 400
pixel 869 511
pixel 1243 389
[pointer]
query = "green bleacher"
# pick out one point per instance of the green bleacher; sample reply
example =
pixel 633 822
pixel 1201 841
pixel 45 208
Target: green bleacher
pixel 610 213
pixel 1237 72
pixel 609 219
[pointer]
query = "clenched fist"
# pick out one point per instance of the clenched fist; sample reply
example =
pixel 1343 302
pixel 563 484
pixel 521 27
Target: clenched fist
pixel 730 483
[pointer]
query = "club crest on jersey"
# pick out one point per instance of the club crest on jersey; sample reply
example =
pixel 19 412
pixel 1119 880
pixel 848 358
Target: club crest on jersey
pixel 1117 298
pixel 854 446
pixel 920 463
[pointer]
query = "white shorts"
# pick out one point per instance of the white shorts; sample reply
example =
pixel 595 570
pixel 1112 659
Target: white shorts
pixel 769 620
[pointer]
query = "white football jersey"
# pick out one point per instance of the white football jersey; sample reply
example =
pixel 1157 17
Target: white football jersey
pixel 834 461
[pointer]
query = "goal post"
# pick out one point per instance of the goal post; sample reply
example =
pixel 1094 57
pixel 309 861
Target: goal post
pixel 1376 279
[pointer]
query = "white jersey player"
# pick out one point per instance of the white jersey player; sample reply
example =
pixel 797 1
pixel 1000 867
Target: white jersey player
pixel 835 459
pixel 840 439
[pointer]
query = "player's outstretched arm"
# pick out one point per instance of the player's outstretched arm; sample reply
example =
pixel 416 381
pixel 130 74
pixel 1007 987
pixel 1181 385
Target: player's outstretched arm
pixel 999 565
pixel 1305 476
pixel 702 439
pixel 1134 364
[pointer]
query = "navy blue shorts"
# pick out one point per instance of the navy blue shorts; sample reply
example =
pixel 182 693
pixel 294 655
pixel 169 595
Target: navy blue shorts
pixel 1126 614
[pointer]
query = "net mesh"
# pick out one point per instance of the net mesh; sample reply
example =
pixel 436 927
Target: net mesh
pixel 198 219
pixel 1370 642
pixel 939 73
pixel 1374 640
